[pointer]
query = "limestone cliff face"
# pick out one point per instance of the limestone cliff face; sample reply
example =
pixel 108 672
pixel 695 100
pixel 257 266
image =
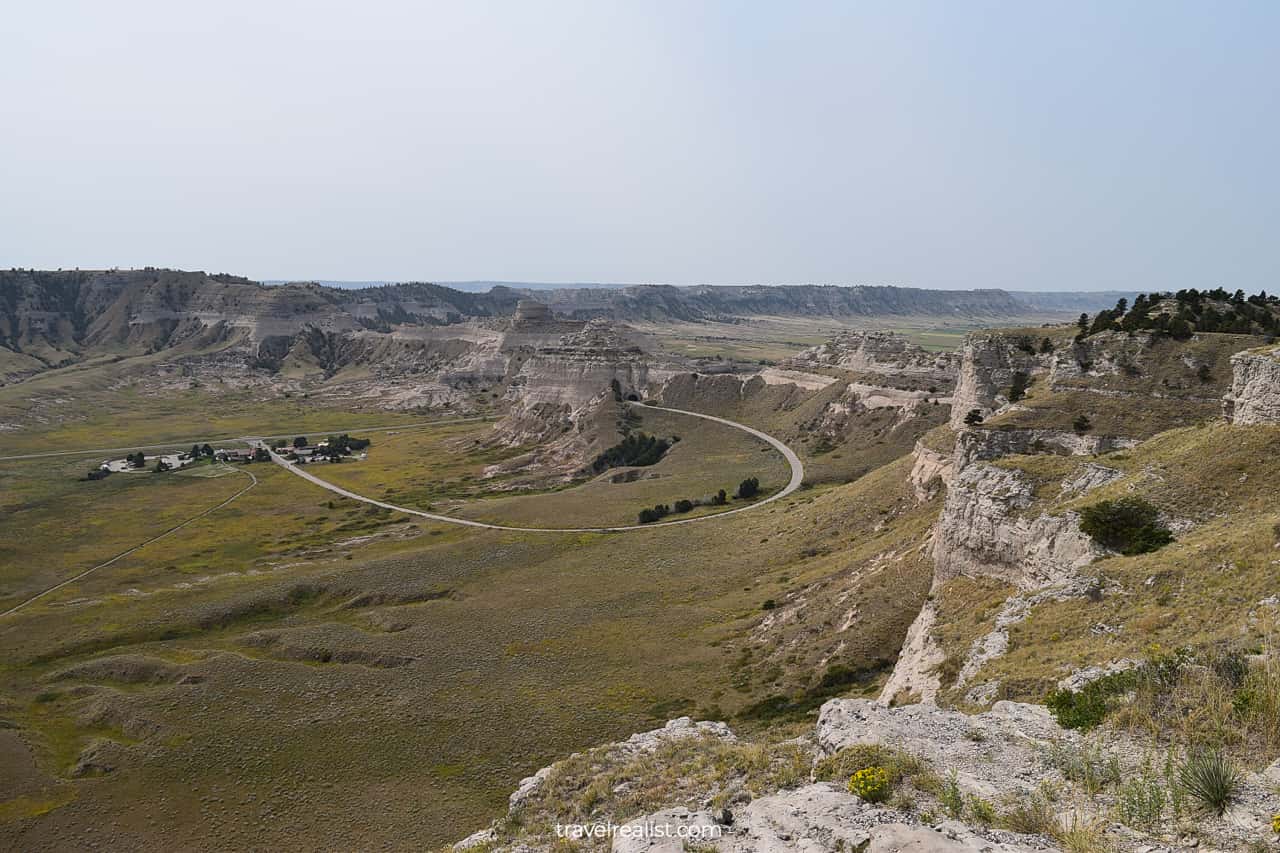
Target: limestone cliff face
pixel 882 352
pixel 930 470
pixel 976 445
pixel 980 532
pixel 988 365
pixel 1254 397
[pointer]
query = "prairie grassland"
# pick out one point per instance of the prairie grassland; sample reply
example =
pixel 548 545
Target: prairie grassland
pixel 79 414
pixel 220 687
pixel 771 339
pixel 414 467
pixel 442 469
pixel 709 456
pixel 54 526
pixel 231 675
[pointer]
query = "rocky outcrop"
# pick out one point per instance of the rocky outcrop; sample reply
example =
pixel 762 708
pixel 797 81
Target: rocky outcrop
pixel 530 313
pixel 930 470
pixel 813 818
pixel 915 677
pixel 981 531
pixel 563 395
pixel 800 378
pixel 1254 397
pixel 885 353
pixel 988 364
pixel 1088 477
pixel 638 744
pixel 978 445
pixel 1090 674
pixel 1099 354
pixel 1014 756
pixel 993 754
pixel 806 817
pixel 577 368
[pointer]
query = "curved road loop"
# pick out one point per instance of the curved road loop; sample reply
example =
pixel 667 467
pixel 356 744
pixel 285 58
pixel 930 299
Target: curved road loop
pixel 137 547
pixel 797 476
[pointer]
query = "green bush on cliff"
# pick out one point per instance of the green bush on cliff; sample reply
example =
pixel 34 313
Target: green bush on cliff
pixel 1129 525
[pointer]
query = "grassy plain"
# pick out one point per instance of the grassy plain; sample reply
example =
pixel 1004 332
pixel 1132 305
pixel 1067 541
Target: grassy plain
pixel 238 676
pixel 441 469
pixel 136 418
pixel 709 456
pixel 771 339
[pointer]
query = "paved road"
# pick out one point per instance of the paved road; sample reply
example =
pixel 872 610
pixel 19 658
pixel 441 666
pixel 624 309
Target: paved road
pixel 123 554
pixel 797 476
pixel 183 444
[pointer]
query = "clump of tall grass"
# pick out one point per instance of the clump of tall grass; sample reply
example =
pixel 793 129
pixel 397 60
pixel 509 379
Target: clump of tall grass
pixel 1211 777
pixel 1032 816
pixel 1082 836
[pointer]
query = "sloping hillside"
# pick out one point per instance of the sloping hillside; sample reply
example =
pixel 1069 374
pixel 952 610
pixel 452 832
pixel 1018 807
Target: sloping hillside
pixel 1095 665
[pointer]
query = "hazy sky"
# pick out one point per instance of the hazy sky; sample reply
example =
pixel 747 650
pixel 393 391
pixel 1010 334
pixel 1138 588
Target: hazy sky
pixel 1026 145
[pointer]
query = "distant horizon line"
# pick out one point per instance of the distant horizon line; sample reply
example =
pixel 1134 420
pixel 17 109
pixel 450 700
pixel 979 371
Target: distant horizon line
pixel 355 284
pixel 473 285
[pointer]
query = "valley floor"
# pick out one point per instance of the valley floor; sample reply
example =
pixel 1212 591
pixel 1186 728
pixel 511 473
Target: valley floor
pixel 299 669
